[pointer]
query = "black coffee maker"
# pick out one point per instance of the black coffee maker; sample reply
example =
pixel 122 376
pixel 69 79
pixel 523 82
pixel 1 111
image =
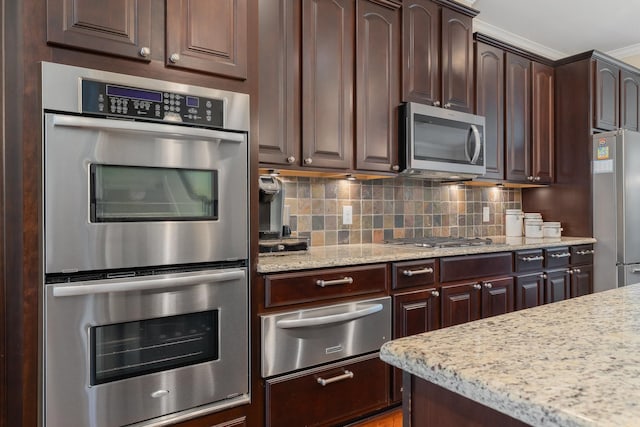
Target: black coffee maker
pixel 274 234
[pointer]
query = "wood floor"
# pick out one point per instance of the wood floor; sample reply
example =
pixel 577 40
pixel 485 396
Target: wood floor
pixel 388 419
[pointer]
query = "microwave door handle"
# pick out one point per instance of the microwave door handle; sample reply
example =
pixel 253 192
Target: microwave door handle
pixel 155 128
pixel 146 285
pixel 327 320
pixel 478 144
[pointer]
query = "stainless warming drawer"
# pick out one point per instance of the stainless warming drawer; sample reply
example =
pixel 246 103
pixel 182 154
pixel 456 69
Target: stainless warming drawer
pixel 299 339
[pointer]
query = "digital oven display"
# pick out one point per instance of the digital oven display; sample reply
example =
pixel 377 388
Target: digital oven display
pixel 193 102
pixel 127 92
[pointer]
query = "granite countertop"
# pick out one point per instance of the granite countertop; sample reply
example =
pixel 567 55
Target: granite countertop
pixel 342 255
pixel 570 363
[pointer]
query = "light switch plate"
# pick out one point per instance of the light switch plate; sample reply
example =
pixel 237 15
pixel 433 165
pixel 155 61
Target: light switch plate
pixel 485 214
pixel 347 215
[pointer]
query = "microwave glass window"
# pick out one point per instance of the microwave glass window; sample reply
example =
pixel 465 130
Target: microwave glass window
pixel 439 139
pixel 133 193
pixel 131 349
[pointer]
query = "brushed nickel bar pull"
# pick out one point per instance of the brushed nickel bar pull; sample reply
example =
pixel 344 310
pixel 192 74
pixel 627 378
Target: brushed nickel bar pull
pixel 346 281
pixel 562 255
pixel 532 258
pixel 410 273
pixel 585 252
pixel 346 376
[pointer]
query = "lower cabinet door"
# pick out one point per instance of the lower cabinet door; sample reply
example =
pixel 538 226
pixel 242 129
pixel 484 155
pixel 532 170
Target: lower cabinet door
pixel 328 395
pixel 582 280
pixel 556 286
pixel 460 303
pixel 529 290
pixel 497 296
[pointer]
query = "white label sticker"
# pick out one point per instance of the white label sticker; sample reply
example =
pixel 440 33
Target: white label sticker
pixel 603 166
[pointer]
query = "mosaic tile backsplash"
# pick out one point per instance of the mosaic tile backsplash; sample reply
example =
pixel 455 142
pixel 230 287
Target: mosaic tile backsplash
pixel 391 208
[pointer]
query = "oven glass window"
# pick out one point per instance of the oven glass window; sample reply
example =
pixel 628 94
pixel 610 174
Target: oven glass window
pixel 132 193
pixel 126 350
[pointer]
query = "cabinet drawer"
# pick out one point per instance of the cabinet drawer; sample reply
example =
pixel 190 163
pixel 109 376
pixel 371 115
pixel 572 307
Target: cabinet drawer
pixel 582 254
pixel 318 285
pixel 529 260
pixel 475 266
pixel 556 257
pixel 414 273
pixel 360 386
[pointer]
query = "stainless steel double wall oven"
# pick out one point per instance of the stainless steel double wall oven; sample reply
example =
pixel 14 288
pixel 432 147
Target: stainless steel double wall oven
pixel 145 249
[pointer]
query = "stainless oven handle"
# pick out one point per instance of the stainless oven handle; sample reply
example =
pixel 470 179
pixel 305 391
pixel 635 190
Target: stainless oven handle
pixel 145 285
pixel 478 144
pixel 156 128
pixel 326 320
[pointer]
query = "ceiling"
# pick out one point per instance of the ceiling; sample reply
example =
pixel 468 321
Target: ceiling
pixel 560 28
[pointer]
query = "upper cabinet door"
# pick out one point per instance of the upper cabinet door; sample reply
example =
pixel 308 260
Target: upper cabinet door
pixel 208 36
pixel 421 47
pixel 543 130
pixel 328 29
pixel 117 27
pixel 279 88
pixel 518 118
pixel 629 100
pixel 457 61
pixel 605 96
pixel 490 104
pixel 377 84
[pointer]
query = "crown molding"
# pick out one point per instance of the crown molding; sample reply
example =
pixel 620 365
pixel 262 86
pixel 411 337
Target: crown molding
pixel 516 40
pixel 466 2
pixel 625 52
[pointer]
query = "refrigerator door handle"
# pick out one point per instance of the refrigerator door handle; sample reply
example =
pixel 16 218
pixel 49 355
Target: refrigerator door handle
pixel 636 270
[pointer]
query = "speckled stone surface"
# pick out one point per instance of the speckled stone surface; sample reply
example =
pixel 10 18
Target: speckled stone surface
pixel 571 363
pixel 341 255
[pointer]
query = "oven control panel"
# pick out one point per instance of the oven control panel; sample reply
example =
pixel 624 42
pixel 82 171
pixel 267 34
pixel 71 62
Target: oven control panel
pixel 116 100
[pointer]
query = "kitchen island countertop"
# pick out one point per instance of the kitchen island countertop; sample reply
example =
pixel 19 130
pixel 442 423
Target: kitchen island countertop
pixel 342 255
pixel 570 363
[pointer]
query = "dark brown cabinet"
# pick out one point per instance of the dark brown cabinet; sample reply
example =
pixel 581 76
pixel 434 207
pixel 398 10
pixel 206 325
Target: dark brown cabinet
pixel 542 124
pixel 606 92
pixel 329 84
pixel 377 85
pixel 120 28
pixel 497 296
pixel 460 303
pixel 328 29
pixel 581 280
pixel 301 399
pixel 518 117
pixel 557 285
pixel 438 54
pixel 208 36
pixel 529 290
pixel 629 100
pixel 490 104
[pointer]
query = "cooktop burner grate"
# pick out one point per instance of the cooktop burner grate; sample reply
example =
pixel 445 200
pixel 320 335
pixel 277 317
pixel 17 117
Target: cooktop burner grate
pixel 440 242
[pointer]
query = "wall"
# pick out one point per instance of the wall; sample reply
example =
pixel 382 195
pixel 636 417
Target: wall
pixel 391 208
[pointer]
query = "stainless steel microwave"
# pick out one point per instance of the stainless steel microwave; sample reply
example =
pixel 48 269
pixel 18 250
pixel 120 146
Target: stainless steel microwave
pixel 439 143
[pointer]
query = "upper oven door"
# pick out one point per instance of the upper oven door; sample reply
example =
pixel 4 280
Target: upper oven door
pixel 122 194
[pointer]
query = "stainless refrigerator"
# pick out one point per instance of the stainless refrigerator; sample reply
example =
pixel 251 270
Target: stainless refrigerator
pixel 615 173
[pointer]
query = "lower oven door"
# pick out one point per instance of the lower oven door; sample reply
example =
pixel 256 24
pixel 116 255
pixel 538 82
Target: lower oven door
pixel 304 338
pixel 121 351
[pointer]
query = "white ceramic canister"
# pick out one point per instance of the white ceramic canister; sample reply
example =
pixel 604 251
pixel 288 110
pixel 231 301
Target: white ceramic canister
pixel 513 223
pixel 532 215
pixel 533 227
pixel 551 229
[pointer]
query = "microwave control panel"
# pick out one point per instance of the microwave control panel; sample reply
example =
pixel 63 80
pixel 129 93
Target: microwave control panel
pixel 116 100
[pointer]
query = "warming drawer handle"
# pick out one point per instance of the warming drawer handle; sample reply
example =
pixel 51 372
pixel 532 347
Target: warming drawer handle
pixel 156 128
pixel 562 255
pixel 145 285
pixel 343 281
pixel 346 376
pixel 327 320
pixel 410 273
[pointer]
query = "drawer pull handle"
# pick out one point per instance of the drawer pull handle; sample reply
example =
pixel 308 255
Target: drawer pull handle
pixel 562 255
pixel 636 270
pixel 346 376
pixel 345 281
pixel 532 258
pixel 410 273
pixel 585 252
pixel 329 319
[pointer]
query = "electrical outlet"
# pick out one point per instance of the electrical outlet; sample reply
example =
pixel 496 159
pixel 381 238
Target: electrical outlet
pixel 485 214
pixel 347 215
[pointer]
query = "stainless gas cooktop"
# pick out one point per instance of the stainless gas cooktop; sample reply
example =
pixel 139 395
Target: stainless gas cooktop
pixel 440 242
